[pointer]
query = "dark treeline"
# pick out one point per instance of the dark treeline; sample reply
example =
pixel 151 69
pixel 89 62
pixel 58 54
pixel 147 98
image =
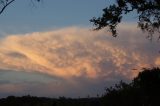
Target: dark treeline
pixel 144 90
pixel 41 101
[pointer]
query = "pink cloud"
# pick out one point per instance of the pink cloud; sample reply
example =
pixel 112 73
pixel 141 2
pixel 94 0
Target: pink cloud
pixel 76 52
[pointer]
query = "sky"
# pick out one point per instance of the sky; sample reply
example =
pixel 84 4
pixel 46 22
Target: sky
pixel 49 49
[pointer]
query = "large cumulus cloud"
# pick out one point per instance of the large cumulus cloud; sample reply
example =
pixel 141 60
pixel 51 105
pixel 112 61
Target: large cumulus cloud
pixel 77 53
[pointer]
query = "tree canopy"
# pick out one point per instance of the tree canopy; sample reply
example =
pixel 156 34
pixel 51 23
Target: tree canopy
pixel 144 90
pixel 148 12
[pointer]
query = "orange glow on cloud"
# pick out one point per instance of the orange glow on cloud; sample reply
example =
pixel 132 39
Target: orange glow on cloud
pixel 76 52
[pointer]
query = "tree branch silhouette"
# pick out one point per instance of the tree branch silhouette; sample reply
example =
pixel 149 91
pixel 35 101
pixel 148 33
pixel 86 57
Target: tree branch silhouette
pixel 5 4
pixel 148 12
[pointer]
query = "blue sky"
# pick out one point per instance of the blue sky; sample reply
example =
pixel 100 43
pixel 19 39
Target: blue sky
pixel 49 49
pixel 26 16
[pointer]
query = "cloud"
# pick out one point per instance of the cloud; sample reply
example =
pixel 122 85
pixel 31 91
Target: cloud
pixel 77 58
pixel 75 52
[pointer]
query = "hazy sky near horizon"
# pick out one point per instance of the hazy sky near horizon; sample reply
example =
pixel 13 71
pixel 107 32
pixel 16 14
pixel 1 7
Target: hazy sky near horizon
pixel 49 49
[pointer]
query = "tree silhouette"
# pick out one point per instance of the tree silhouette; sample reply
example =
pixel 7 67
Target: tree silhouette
pixel 149 82
pixel 6 3
pixel 144 90
pixel 148 12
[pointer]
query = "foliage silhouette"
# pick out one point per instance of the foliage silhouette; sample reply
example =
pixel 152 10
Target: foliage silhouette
pixel 148 12
pixel 144 90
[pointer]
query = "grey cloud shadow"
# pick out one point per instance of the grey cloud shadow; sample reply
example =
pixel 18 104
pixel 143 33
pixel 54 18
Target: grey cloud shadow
pixel 12 76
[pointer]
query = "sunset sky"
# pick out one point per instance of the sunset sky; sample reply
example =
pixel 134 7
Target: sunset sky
pixel 49 49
